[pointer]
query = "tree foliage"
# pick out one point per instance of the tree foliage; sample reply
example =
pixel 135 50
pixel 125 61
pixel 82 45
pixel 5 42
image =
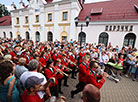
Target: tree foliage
pixel 3 10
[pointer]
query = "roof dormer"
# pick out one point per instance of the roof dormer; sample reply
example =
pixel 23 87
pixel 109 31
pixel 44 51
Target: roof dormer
pixel 96 11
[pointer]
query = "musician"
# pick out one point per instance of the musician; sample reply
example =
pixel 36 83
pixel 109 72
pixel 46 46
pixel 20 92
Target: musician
pixel 83 71
pixel 44 58
pixel 14 52
pixel 60 77
pixel 51 72
pixel 65 63
pixel 81 55
pixel 93 78
pixel 28 57
pixel 60 54
pixel 55 56
pixel 72 59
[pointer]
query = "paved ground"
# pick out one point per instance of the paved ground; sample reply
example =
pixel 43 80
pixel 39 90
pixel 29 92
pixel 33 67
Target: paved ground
pixel 124 91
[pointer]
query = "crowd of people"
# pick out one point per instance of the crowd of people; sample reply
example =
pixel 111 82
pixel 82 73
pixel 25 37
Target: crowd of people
pixel 34 71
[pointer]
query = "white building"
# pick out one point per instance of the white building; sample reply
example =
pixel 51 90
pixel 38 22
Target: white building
pixel 42 22
pixel 114 21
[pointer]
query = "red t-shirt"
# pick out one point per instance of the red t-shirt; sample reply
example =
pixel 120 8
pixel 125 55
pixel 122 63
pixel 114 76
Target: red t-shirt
pixel 29 98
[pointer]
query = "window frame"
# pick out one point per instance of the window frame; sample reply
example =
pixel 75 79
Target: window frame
pixel 26 22
pixel 48 17
pixel 36 21
pixel 17 20
pixel 63 16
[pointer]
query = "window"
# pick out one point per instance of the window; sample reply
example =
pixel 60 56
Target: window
pixel 37 36
pixel 4 34
pixel 37 18
pixel 130 39
pixel 103 38
pixel 95 11
pixel 11 35
pixel 82 38
pixel 26 19
pixel 49 17
pixel 17 20
pixel 65 16
pixel 50 36
pixel 27 36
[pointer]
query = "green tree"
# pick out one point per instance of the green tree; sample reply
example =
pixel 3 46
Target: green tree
pixel 3 10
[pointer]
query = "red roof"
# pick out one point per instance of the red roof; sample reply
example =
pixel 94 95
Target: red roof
pixel 5 21
pixel 112 10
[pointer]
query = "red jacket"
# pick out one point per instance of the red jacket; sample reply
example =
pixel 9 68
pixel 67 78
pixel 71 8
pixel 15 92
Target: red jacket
pixel 81 55
pixel 59 76
pixel 91 79
pixel 43 61
pixel 12 54
pixel 54 57
pixel 72 59
pixel 51 73
pixel 65 63
pixel 83 71
pixel 28 58
pixel 60 56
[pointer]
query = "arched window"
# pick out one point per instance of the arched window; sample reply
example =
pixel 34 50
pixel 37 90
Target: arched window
pixel 11 35
pixel 27 36
pixel 103 38
pixel 4 34
pixel 37 36
pixel 82 38
pixel 49 36
pixel 130 39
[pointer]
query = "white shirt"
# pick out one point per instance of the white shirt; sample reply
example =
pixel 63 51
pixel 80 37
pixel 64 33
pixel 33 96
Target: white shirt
pixel 27 74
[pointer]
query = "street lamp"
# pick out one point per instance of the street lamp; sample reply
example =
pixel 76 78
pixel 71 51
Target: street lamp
pixel 87 20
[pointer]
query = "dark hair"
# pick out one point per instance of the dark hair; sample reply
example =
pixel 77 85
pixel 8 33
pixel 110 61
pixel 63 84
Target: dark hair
pixel 6 67
pixel 92 64
pixel 49 62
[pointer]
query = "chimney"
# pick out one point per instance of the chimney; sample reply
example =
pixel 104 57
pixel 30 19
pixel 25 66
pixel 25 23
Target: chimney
pixel 49 1
pixel 21 3
pixel 13 6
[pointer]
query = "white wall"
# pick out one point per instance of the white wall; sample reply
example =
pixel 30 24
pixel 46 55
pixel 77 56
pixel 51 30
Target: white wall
pixel 7 30
pixel 115 37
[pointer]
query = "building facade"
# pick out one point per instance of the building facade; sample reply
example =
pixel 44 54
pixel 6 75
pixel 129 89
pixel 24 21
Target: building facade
pixel 114 21
pixel 46 22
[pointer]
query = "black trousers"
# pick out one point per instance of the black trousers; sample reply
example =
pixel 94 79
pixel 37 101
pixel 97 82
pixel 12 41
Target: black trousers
pixel 66 78
pixel 59 84
pixel 54 90
pixel 73 71
pixel 80 86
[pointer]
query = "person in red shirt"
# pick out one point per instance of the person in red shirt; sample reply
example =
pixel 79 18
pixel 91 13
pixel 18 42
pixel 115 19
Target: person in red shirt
pixel 28 57
pixel 93 78
pixel 32 85
pixel 81 55
pixel 60 76
pixel 73 63
pixel 51 72
pixel 43 59
pixel 65 63
pixel 83 70
pixel 55 56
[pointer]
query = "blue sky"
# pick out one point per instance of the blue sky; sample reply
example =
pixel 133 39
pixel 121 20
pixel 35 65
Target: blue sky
pixel 9 2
